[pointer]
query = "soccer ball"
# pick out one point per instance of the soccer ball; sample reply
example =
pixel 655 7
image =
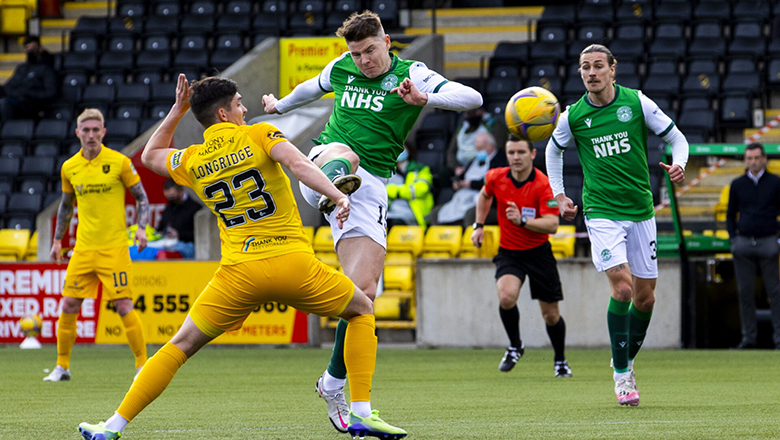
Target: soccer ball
pixel 532 113
pixel 31 325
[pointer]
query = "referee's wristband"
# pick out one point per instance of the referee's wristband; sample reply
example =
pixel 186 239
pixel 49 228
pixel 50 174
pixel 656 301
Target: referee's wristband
pixel 478 225
pixel 523 221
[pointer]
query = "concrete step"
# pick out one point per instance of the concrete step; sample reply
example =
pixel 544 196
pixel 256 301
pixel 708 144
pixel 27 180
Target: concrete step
pixel 475 16
pixel 74 9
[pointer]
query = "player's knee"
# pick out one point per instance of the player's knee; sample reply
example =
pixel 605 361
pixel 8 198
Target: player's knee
pixel 551 317
pixel 360 304
pixel 622 291
pixel 645 303
pixel 507 298
pixel 354 160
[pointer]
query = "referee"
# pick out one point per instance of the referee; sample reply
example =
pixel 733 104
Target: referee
pixel 527 214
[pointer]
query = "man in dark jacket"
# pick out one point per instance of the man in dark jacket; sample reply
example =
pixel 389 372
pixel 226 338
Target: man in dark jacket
pixel 178 218
pixel 755 199
pixel 32 86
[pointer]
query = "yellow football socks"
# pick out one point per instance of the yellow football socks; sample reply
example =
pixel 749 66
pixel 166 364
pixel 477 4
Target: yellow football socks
pixel 66 337
pixel 135 337
pixel 152 380
pixel 360 356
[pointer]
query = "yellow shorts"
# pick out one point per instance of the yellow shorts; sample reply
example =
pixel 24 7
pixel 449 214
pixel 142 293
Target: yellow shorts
pixel 298 280
pixel 88 268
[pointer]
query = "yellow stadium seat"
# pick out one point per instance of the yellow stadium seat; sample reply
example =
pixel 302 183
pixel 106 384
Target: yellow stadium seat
pixel 399 278
pixel 490 243
pixel 309 231
pixel 399 259
pixel 467 249
pixel 13 242
pixel 406 239
pixel 323 240
pixel 563 241
pixel 442 239
pixel 394 305
pixel 722 205
pixel 32 248
pixel 14 15
pixel 329 258
pixel 722 234
pixel 436 255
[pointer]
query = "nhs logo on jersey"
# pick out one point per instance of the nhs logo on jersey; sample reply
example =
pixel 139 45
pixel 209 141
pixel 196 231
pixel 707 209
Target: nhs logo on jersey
pixel 361 97
pixel 611 144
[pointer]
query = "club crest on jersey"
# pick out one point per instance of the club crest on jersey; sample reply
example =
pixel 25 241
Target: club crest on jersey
pixel 389 82
pixel 624 113
pixel 588 121
pixel 106 168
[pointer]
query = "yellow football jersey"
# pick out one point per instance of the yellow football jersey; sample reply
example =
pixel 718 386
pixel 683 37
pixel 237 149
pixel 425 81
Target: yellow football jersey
pixel 236 178
pixel 99 185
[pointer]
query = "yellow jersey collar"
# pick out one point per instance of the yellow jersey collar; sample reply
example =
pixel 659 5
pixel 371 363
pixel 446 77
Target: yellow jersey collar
pixel 216 127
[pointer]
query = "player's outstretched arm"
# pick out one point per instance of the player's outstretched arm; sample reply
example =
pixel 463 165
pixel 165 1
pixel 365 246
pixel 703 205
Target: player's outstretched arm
pixel 304 93
pixel 157 149
pixel 304 170
pixel 64 214
pixel 142 208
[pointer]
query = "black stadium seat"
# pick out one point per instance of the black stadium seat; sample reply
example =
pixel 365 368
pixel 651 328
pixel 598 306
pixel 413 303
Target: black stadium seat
pixel 17 130
pixel 51 129
pixel 37 167
pixel 24 203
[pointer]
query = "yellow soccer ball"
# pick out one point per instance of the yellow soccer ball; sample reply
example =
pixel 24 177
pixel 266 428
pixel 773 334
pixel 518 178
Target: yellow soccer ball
pixel 31 325
pixel 531 114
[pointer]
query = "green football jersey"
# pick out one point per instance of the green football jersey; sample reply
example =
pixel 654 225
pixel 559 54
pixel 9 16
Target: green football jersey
pixel 611 143
pixel 366 116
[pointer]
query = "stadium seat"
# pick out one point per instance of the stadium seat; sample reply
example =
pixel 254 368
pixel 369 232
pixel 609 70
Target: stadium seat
pixel 563 241
pixel 773 73
pixel 592 33
pixel 669 41
pixel 98 95
pixel 693 102
pixel 502 71
pixel 33 186
pixel 51 129
pixel 600 13
pixel 712 9
pixel 399 278
pixel 128 111
pixel 25 204
pixel 559 14
pixel 90 26
pixel 553 51
pixel 167 9
pixel 631 11
pixel 121 130
pixel 79 62
pixel 203 7
pixel 131 10
pixel 197 25
pixel 17 130
pixel 234 23
pixel 9 151
pixel 431 151
pixel 501 88
pixel 85 44
pixel 544 68
pixel 437 124
pixel 31 254
pixel 159 25
pixel 702 83
pixel 124 26
pixel 121 44
pixel 221 59
pixel 13 243
pixel 33 166
pixel 46 148
pixel 132 93
pixel 116 62
pixel 405 239
pixel 750 10
pixel 18 222
pixel 387 11
pixel 323 240
pixel 708 40
pixel 6 185
pixel 3 203
pixel 442 241
pixel 552 33
pixel 723 204
pixel 394 305
pixel 313 6
pixel 679 11
pixel 736 111
pixel 702 121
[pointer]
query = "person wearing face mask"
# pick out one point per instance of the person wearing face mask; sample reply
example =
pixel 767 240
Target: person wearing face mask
pixel 409 192
pixel 32 85
pixel 460 210
pixel 178 219
pixel 463 150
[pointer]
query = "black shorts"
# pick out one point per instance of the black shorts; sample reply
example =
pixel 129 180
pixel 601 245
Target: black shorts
pixel 539 264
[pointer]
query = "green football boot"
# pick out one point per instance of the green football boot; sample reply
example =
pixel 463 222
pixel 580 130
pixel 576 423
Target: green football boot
pixel 97 432
pixel 373 426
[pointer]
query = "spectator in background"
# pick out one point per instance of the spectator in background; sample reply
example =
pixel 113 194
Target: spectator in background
pixel 463 150
pixel 32 86
pixel 468 183
pixel 409 192
pixel 755 198
pixel 178 219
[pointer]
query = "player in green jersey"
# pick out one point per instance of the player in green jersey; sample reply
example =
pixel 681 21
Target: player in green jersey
pixel 608 127
pixel 378 99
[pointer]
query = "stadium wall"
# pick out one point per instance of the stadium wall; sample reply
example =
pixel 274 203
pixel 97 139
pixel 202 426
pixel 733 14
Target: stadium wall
pixel 457 306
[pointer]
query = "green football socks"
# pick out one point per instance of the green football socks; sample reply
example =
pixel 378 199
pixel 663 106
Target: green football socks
pixel 617 323
pixel 336 167
pixel 336 367
pixel 638 322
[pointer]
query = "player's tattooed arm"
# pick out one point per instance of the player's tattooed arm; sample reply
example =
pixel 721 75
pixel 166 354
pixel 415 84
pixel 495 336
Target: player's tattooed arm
pixel 142 201
pixel 617 268
pixel 64 214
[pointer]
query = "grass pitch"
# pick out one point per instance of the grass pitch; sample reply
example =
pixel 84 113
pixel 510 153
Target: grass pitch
pixel 262 393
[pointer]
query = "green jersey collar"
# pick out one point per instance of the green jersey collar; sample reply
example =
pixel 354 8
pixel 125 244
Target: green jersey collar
pixel 617 92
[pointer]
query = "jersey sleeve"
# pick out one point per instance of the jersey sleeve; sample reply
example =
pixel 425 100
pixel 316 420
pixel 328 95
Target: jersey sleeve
pixel 562 136
pixel 490 177
pixel 176 163
pixel 655 118
pixel 66 185
pixel 266 136
pixel 425 79
pixel 547 204
pixel 323 80
pixel 128 174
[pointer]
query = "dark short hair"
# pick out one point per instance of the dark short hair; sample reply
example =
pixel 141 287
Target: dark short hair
pixel 170 183
pixel 210 94
pixel 31 39
pixel 360 26
pixel 756 146
pixel 513 138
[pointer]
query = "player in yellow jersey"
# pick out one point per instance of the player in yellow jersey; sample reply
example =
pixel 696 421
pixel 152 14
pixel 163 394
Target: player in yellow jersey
pixel 96 178
pixel 265 253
